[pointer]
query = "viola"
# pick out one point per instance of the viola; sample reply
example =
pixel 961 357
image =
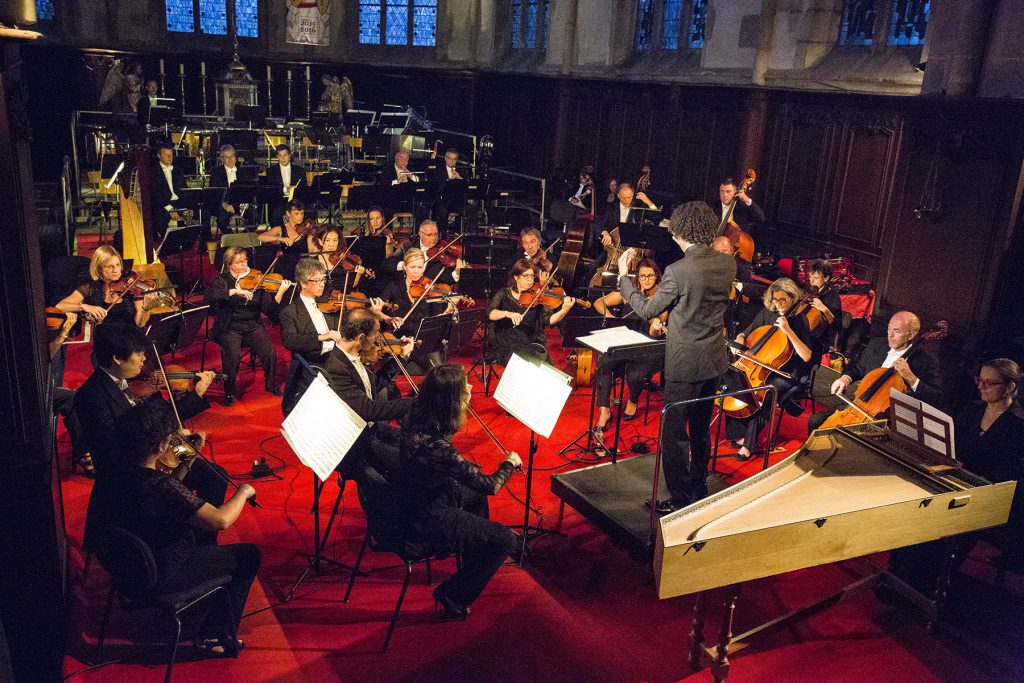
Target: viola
pixel 446 253
pixel 179 378
pixel 182 450
pixel 353 300
pixel 55 318
pixel 349 262
pixel 768 349
pixel 872 400
pixel 550 297
pixel 436 291
pixel 256 279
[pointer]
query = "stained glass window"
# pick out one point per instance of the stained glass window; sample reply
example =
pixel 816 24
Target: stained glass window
pixel 369 23
pixel 44 10
pixel 181 16
pixel 531 24
pixel 908 21
pixel 213 17
pixel 390 21
pixel 517 23
pixel 247 18
pixel 530 21
pixel 698 18
pixel 671 14
pixel 858 24
pixel 396 22
pixel 424 23
pixel 644 25
pixel 670 24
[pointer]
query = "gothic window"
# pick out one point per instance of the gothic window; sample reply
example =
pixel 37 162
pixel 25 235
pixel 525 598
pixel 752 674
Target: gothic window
pixel 213 17
pixel 530 20
pixel 398 22
pixel 670 24
pixel 908 22
pixel 44 10
pixel 181 16
pixel 247 18
pixel 858 24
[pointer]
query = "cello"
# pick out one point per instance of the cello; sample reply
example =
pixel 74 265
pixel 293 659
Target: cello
pixel 768 349
pixel 741 241
pixel 872 400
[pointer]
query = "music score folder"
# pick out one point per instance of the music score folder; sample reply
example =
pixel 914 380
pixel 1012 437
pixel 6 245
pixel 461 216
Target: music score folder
pixel 322 428
pixel 534 394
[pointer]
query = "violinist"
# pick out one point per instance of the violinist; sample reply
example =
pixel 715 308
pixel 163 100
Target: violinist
pixel 695 292
pixel 827 303
pixel 169 518
pixel 529 240
pixel 374 221
pixel 919 370
pixel 99 299
pixel 517 328
pixel 779 303
pixel 442 497
pixel 294 233
pixel 237 321
pixel 737 206
pixel 429 236
pixel 407 317
pixel 307 331
pixel 648 276
pixel 328 242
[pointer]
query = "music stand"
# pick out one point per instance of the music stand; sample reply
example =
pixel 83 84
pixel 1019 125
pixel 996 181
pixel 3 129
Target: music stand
pixel 535 394
pixel 177 241
pixel 372 250
pixel 432 334
pixel 360 197
pixel 254 115
pixel 464 329
pixel 645 236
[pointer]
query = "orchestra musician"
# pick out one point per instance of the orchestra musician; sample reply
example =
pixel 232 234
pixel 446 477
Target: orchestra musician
pixel 695 292
pixel 827 302
pixel 407 317
pixel 584 195
pixel 399 172
pixel 989 433
pixel 513 328
pixel 623 212
pixel 165 184
pixel 97 299
pixel 328 246
pixel 237 321
pixel 286 176
pixel 779 302
pixel 529 241
pixel 307 331
pixel 294 233
pixel 441 497
pixel 224 176
pixel 428 237
pixel 374 220
pixel 919 370
pixel 147 102
pixel 743 211
pixel 648 277
pixel 165 513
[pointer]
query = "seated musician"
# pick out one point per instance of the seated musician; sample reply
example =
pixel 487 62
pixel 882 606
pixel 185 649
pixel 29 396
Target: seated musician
pixel 529 240
pixel 284 175
pixel 737 206
pixel 583 197
pixel 446 203
pixel 294 233
pixel 399 172
pixel 374 220
pixel 989 434
pixel 407 317
pixel 723 246
pixel 828 303
pixel 648 277
pixel 517 328
pixel 98 300
pixel 919 369
pixel 622 212
pixel 166 514
pixel 237 321
pixel 779 300
pixel 224 176
pixel 442 497
pixel 429 235
pixel 165 185
pixel 148 100
pixel 329 247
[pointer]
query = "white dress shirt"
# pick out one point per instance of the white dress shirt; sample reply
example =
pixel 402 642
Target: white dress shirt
pixel 232 174
pixel 623 212
pixel 451 171
pixel 412 176
pixel 361 370
pixel 169 176
pixel 319 322
pixel 286 178
pixel 891 357
pixel 122 384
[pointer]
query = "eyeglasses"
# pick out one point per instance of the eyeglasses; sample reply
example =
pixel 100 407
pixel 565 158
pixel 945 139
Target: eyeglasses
pixel 317 280
pixel 781 299
pixel 428 234
pixel 987 383
pixel 647 277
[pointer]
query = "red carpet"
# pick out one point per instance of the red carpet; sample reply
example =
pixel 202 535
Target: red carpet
pixel 581 609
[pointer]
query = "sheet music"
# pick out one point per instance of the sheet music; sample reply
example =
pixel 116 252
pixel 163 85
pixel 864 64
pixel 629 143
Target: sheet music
pixel 610 337
pixel 934 423
pixel 321 428
pixel 533 394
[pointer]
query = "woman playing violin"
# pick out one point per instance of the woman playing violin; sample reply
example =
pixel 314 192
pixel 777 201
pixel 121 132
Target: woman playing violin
pixel 779 300
pixel 237 321
pixel 294 234
pixel 406 319
pixel 328 242
pixel 648 277
pixel 99 299
pixel 516 329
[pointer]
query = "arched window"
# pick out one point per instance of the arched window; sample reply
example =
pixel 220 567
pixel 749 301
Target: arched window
pixel 398 22
pixel 670 24
pixel 44 10
pixel 530 20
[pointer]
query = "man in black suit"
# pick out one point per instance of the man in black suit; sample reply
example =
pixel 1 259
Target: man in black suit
pixel 429 235
pixel 399 172
pixel 737 206
pixel 146 102
pixel 284 175
pixel 695 292
pixel 357 386
pixel 449 197
pixel 624 211
pixel 919 370
pixel 224 176
pixel 165 184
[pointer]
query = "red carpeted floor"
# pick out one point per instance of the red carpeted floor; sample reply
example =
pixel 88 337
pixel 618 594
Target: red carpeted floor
pixel 580 610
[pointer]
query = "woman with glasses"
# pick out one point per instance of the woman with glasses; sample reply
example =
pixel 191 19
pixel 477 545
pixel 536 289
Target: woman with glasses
pixel 515 329
pixel 97 299
pixel 779 300
pixel 648 276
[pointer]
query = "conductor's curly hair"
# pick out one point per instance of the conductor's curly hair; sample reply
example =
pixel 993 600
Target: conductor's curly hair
pixel 694 222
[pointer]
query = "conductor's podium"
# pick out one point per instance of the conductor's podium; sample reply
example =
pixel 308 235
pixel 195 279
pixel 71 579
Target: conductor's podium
pixel 846 493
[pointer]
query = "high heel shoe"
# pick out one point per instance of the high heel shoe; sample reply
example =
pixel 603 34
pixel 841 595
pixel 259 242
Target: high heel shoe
pixel 84 463
pixel 452 609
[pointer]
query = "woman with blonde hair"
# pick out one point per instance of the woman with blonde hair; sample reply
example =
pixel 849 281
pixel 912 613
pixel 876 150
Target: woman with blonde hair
pixel 98 301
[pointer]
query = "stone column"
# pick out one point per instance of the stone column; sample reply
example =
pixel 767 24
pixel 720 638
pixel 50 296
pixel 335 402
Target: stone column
pixel 958 31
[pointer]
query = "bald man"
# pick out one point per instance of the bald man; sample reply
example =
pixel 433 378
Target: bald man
pixel 915 365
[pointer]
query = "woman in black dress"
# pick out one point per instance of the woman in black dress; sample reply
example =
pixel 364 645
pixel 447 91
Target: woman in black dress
pixel 407 317
pixel 828 303
pixel 779 300
pixel 94 298
pixel 442 496
pixel 165 513
pixel 513 328
pixel 294 233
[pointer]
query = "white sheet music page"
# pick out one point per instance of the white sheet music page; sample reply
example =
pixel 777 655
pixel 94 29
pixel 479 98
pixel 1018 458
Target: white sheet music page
pixel 321 428
pixel 533 394
pixel 602 340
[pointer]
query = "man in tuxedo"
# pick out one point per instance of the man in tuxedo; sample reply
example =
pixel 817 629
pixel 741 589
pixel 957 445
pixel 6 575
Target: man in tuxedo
pixel 529 241
pixel 357 386
pixel 624 211
pixel 919 370
pixel 737 206
pixel 284 176
pixel 165 183
pixel 146 102
pixel 695 292
pixel 449 198
pixel 224 176
pixel 399 173
pixel 306 331
pixel 428 237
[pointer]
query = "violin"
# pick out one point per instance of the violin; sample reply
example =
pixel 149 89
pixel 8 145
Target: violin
pixel 255 280
pixel 353 300
pixel 872 400
pixel 768 349
pixel 55 318
pixel 179 379
pixel 437 292
pixel 349 262
pixel 446 253
pixel 550 297
pixel 182 450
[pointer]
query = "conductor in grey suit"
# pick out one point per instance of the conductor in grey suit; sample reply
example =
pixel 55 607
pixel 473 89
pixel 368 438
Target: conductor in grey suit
pixel 695 292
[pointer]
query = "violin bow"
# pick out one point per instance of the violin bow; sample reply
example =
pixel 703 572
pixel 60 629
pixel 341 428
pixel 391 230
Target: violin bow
pixel 263 277
pixel 445 248
pixel 426 290
pixel 383 227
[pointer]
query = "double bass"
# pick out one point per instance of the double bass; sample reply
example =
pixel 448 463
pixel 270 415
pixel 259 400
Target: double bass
pixel 741 241
pixel 615 249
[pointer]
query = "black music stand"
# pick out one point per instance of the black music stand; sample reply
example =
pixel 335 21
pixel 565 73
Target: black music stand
pixel 464 329
pixel 645 236
pixel 253 115
pixel 360 197
pixel 432 334
pixel 241 193
pixel 178 241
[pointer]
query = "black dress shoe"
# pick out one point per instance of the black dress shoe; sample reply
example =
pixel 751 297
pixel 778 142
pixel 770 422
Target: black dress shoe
pixel 664 507
pixel 229 400
pixel 628 418
pixel 452 609
pixel 273 388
